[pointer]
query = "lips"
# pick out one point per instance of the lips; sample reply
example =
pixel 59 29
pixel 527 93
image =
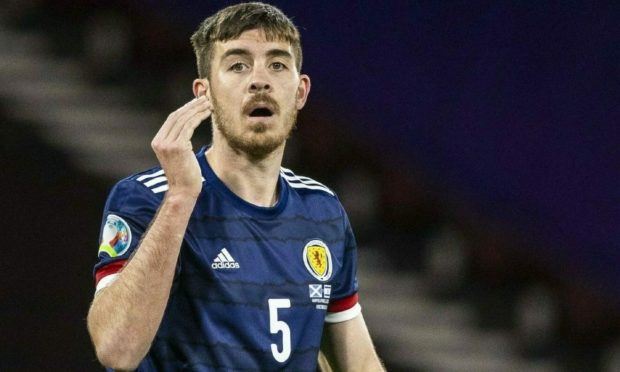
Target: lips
pixel 261 106
pixel 261 112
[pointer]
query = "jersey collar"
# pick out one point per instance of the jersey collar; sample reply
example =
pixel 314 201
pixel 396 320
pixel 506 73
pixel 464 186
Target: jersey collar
pixel 249 208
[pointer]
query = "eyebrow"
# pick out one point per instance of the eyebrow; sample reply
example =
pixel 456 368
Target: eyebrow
pixel 279 53
pixel 246 53
pixel 235 52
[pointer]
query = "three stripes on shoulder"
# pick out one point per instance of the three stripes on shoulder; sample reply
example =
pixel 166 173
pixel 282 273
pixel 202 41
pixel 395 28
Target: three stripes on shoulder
pixel 157 181
pixel 301 182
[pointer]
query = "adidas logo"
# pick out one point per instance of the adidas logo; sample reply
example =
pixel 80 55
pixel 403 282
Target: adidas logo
pixel 224 261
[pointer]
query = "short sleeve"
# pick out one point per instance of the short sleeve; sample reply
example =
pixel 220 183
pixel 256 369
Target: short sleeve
pixel 344 299
pixel 128 211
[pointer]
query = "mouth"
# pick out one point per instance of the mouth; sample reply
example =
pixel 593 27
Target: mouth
pixel 261 107
pixel 261 112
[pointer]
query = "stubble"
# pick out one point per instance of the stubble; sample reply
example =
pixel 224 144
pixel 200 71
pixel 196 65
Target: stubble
pixel 258 143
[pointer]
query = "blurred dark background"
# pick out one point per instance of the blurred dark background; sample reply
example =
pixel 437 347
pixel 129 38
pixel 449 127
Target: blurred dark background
pixel 473 143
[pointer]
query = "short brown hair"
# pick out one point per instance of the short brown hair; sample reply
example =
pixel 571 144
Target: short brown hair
pixel 230 22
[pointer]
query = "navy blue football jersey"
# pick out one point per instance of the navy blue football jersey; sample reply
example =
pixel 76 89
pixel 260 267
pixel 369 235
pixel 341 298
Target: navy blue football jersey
pixel 253 285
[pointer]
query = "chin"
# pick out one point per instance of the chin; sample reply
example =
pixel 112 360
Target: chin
pixel 257 145
pixel 259 127
pixel 261 150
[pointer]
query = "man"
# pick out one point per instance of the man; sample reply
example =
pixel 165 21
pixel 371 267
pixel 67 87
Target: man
pixel 224 260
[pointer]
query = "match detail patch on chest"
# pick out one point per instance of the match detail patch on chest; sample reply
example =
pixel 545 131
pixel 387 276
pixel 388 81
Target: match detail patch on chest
pixel 318 260
pixel 116 236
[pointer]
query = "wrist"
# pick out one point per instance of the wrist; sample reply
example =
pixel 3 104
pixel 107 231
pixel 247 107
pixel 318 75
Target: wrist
pixel 180 199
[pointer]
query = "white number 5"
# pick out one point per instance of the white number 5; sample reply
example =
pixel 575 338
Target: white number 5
pixel 276 326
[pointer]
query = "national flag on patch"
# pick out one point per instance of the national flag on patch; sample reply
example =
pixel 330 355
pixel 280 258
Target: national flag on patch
pixel 316 290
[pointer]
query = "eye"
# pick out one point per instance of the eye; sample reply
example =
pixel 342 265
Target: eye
pixel 278 66
pixel 238 67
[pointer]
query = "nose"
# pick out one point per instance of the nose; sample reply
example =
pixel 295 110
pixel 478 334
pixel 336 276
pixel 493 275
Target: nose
pixel 258 86
pixel 259 82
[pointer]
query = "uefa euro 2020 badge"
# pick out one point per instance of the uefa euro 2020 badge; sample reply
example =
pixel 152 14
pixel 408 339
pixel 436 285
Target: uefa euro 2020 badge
pixel 115 238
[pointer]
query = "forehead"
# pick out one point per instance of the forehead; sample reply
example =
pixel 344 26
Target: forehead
pixel 254 41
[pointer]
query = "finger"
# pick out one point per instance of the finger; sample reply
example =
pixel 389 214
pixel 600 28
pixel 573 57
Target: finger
pixel 194 122
pixel 187 119
pixel 173 118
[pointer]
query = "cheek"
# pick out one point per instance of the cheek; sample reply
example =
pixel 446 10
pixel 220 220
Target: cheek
pixel 297 93
pixel 292 93
pixel 225 100
pixel 225 88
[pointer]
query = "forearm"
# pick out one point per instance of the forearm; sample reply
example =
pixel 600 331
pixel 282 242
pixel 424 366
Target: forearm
pixel 348 347
pixel 125 316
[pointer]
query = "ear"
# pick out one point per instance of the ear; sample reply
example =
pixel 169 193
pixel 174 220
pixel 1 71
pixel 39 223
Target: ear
pixel 201 88
pixel 302 91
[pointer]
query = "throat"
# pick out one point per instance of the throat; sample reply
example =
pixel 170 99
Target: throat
pixel 265 197
pixel 254 183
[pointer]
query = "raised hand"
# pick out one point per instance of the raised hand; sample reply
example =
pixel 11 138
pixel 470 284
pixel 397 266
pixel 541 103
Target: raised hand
pixel 173 147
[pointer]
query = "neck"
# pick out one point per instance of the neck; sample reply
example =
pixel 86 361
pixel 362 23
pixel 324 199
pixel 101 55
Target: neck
pixel 254 181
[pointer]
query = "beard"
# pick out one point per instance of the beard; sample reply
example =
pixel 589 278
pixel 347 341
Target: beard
pixel 258 143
